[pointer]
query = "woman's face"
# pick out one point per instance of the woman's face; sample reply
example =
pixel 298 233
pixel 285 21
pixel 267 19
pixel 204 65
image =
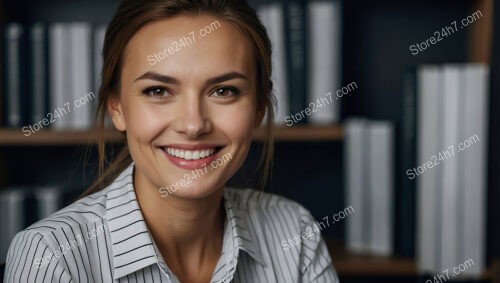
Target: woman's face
pixel 187 102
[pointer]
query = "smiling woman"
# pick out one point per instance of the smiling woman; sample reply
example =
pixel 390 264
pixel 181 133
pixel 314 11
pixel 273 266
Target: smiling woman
pixel 192 113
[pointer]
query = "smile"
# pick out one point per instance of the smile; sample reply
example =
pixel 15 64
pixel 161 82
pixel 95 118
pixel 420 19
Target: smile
pixel 190 154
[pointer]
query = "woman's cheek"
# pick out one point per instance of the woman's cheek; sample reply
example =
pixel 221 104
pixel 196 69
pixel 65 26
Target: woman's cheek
pixel 148 120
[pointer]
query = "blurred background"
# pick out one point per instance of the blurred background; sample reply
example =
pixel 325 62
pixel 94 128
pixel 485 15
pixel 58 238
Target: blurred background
pixel 386 107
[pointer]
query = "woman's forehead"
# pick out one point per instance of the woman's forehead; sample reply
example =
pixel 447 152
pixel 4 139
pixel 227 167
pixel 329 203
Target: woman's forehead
pixel 187 44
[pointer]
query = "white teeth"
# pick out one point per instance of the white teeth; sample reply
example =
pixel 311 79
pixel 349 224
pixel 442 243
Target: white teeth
pixel 190 154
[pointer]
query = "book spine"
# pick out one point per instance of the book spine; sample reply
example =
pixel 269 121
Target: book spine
pixel 324 45
pixel 354 157
pixel 60 79
pixel 80 103
pixel 295 23
pixel 474 147
pixel 429 103
pixel 380 186
pixel 99 35
pixel 272 17
pixel 38 73
pixel 405 239
pixel 14 75
pixel 449 241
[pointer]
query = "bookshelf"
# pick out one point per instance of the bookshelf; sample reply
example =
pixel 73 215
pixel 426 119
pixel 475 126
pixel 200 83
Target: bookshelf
pixel 15 137
pixel 348 264
pixel 378 90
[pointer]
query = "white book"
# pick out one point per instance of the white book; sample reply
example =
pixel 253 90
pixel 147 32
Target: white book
pixel 475 128
pixel 380 186
pixel 60 78
pixel 272 18
pixel 324 53
pixel 355 172
pixel 99 34
pixel 48 200
pixel 81 80
pixel 429 104
pixel 450 246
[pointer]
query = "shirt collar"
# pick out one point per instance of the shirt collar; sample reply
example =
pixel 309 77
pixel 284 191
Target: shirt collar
pixel 123 209
pixel 239 224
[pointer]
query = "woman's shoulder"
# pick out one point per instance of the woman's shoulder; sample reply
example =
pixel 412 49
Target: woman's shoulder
pixel 90 210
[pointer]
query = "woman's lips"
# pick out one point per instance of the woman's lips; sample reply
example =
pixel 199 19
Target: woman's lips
pixel 191 157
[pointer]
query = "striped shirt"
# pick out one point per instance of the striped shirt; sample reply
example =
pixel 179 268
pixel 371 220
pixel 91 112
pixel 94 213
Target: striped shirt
pixel 104 238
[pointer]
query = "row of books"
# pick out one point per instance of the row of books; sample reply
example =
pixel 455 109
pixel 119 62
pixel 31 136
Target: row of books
pixel 50 67
pixel 420 191
pixel 306 40
pixel 451 132
pixel 51 72
pixel 23 206
pixel 369 163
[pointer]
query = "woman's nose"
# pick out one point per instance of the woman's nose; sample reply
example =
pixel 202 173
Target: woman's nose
pixel 192 120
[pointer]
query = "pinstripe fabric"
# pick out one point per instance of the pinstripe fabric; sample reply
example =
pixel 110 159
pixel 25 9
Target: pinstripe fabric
pixel 103 238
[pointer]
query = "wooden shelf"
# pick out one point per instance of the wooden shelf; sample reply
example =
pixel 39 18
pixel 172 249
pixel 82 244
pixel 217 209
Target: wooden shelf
pixel 304 133
pixel 348 264
pixel 15 137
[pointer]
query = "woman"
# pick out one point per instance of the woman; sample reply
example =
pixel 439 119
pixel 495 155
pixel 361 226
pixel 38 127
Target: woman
pixel 187 82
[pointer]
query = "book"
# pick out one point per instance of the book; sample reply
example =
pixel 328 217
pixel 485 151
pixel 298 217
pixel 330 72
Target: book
pixel 15 106
pixel 355 152
pixel 272 18
pixel 12 218
pixel 99 34
pixel 296 55
pixel 38 73
pixel 324 55
pixel 474 166
pixel 60 77
pixel 80 104
pixel 404 242
pixel 429 104
pixel 450 186
pixel 48 201
pixel 380 189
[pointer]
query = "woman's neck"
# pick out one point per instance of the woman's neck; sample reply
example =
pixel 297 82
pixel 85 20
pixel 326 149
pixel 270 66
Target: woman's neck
pixel 188 232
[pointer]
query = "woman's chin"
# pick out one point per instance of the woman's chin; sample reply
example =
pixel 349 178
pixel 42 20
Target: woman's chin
pixel 193 190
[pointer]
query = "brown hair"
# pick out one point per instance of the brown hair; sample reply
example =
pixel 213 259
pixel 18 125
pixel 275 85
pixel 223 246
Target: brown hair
pixel 131 16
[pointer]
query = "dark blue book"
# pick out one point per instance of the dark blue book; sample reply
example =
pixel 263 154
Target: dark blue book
pixel 405 196
pixel 38 73
pixel 296 55
pixel 15 104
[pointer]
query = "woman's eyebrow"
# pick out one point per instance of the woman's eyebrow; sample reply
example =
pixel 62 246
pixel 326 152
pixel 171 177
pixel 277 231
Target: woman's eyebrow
pixel 226 77
pixel 171 80
pixel 158 77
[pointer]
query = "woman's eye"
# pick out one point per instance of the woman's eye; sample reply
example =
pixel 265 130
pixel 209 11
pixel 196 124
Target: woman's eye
pixel 156 91
pixel 225 92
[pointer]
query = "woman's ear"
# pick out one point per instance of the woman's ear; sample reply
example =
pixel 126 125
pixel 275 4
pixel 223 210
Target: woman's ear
pixel 116 112
pixel 259 118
